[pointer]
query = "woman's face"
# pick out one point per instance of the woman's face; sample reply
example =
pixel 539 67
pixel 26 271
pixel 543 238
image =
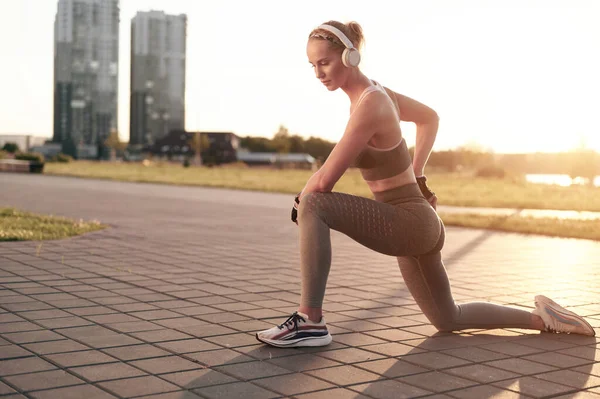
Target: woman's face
pixel 327 63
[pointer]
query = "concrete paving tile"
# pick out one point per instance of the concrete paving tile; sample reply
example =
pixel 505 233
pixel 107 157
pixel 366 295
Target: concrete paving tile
pixel 233 340
pixel 521 366
pixel 198 378
pixel 181 322
pixel 393 334
pixel 13 352
pixel 18 327
pixel 251 370
pixel 344 375
pixel 64 322
pixel 104 372
pixel 434 360
pixel 5 389
pixel 166 364
pixel 80 358
pixel 108 341
pixel 138 386
pixel 46 348
pixel 43 380
pixel 484 391
pixel 338 393
pixel 32 336
pixel 533 387
pixel 293 384
pixel 76 392
pixel 474 354
pixel 391 368
pixel 10 318
pixel 134 326
pixel 236 390
pixel 172 395
pixel 435 381
pixel 390 349
pixel 388 389
pixel 304 362
pixel 23 365
pixel 188 346
pixel 135 352
pixel 571 378
pixel 160 335
pixel 481 373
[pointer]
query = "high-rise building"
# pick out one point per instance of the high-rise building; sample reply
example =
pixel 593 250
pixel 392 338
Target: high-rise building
pixel 86 55
pixel 157 90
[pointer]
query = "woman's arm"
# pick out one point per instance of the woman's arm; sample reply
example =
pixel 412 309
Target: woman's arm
pixel 359 130
pixel 427 121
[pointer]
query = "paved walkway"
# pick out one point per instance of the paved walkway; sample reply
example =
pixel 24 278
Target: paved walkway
pixel 164 305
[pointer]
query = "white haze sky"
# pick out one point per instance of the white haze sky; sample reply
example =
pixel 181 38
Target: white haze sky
pixel 508 75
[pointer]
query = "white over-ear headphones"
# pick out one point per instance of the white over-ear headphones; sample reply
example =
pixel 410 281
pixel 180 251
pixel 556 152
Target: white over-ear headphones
pixel 351 55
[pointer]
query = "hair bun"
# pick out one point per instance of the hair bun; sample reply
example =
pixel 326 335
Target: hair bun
pixel 357 33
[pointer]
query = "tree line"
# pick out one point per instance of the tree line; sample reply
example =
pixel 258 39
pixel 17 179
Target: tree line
pixel 284 142
pixel 579 162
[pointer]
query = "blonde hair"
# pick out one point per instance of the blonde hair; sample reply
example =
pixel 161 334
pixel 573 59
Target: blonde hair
pixel 352 30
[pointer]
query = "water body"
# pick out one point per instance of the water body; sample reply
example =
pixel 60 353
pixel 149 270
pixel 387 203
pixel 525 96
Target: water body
pixel 561 180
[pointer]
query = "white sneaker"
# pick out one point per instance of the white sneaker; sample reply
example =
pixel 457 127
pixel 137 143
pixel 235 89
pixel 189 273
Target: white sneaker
pixel 560 320
pixel 296 331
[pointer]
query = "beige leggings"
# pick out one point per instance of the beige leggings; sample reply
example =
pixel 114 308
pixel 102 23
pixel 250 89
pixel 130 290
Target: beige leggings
pixel 399 223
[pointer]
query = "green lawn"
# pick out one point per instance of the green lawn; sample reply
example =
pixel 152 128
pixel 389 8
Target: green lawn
pixel 451 188
pixel 553 227
pixel 16 225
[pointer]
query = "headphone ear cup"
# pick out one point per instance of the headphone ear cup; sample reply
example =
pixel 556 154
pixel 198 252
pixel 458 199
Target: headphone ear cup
pixel 345 59
pixel 352 57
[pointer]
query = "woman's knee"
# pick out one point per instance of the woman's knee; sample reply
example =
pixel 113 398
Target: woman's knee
pixel 310 205
pixel 444 325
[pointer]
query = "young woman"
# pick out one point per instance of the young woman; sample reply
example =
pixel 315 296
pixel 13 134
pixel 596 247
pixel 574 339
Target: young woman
pixel 401 221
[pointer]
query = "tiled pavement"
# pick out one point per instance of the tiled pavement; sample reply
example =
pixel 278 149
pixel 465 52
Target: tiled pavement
pixel 164 305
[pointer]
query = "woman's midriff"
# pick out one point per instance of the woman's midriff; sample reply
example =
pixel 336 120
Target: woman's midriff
pixel 406 177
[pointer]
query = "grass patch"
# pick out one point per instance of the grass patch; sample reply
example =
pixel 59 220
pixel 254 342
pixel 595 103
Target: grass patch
pixel 452 188
pixel 553 227
pixel 16 225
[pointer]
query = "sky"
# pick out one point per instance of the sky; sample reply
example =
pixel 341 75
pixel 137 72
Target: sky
pixel 509 76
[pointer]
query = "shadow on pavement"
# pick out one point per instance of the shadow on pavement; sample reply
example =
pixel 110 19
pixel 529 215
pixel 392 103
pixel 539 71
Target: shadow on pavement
pixel 478 365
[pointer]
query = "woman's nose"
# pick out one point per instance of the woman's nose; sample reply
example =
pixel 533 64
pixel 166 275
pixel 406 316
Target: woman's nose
pixel 319 73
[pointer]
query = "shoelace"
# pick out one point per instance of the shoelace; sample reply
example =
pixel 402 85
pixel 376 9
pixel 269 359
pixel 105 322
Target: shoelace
pixel 551 330
pixel 292 319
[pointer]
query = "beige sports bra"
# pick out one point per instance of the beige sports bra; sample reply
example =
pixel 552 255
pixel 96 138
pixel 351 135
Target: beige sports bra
pixel 382 163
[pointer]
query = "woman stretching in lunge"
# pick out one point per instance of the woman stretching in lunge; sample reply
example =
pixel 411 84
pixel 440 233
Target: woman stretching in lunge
pixel 400 222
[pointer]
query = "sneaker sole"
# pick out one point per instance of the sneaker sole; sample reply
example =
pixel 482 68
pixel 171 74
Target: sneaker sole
pixel 564 312
pixel 308 341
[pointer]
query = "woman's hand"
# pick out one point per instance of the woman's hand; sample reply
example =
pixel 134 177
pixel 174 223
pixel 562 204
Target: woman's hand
pixel 427 193
pixel 295 209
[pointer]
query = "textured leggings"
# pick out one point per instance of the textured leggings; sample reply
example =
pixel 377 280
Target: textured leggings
pixel 398 223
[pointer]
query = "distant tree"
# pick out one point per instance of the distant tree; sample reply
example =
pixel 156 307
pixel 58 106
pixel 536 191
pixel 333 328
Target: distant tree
pixel 257 144
pixel 297 144
pixel 318 148
pixel 10 147
pixel 281 140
